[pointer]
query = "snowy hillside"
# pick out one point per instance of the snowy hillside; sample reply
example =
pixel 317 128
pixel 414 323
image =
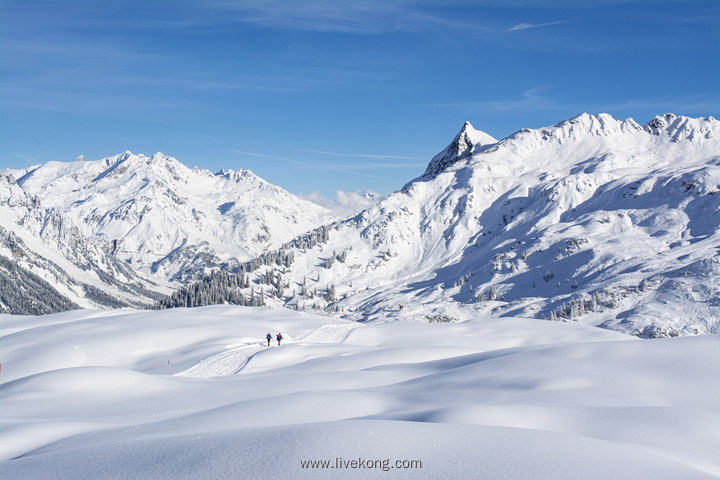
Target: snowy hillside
pixel 476 289
pixel 167 220
pixel 595 220
pixel 87 395
pixel 47 265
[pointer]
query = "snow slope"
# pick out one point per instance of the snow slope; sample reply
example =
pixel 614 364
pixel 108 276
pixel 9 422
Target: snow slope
pixel 47 265
pixel 595 220
pixel 167 220
pixel 86 394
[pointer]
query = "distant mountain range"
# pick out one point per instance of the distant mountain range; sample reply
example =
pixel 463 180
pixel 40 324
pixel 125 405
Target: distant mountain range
pixel 134 220
pixel 594 220
pixel 167 220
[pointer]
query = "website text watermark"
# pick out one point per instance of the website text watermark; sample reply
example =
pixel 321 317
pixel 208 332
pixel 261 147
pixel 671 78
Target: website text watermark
pixel 385 464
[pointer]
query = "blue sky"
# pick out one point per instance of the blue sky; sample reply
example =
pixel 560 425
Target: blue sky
pixel 334 95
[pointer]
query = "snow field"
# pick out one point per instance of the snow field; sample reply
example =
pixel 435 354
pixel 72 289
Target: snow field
pixel 486 398
pixel 236 358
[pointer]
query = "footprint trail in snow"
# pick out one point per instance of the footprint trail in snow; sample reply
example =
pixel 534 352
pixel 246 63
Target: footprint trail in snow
pixel 234 360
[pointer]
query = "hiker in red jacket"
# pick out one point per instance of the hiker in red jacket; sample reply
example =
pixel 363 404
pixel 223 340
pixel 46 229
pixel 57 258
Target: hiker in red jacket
pixel 279 337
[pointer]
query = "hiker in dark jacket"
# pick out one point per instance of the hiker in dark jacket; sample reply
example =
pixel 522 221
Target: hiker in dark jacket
pixel 279 337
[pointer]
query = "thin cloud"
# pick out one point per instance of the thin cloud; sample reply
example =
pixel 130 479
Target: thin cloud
pixel 533 100
pixel 536 100
pixel 525 26
pixel 370 17
pixel 365 155
pixel 345 203
pixel 353 172
pixel 262 155
pixel 373 166
pixel 26 158
pixel 682 105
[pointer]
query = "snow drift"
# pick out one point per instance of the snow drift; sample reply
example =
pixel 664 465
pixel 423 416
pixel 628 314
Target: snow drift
pixel 87 394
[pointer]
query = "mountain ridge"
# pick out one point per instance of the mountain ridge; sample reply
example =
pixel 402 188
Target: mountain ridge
pixel 168 220
pixel 50 266
pixel 593 219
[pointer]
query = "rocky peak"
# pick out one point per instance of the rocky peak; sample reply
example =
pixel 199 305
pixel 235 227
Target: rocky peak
pixel 681 128
pixel 466 143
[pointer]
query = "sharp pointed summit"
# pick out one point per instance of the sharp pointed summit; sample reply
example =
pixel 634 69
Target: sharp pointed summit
pixel 592 220
pixel 467 142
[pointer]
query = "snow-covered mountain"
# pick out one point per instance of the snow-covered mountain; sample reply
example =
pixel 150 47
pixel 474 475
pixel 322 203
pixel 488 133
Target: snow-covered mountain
pixel 592 220
pixel 47 265
pixel 465 144
pixel 169 221
pixel 596 220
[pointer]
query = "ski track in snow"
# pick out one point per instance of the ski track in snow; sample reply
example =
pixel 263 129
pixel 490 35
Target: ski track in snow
pixel 486 398
pixel 333 333
pixel 232 361
pixel 228 362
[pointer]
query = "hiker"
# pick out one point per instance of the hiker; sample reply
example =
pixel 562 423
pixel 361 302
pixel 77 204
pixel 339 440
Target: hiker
pixel 269 337
pixel 279 337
